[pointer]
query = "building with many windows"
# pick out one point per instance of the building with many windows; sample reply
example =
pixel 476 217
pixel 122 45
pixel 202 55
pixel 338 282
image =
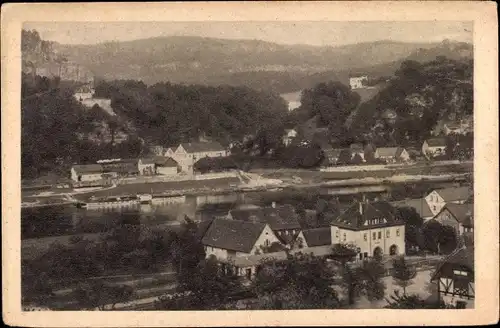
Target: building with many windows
pixel 373 227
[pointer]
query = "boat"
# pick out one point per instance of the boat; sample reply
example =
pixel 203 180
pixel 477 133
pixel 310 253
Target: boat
pixel 145 198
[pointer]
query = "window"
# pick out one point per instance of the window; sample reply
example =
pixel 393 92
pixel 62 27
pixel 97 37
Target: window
pixel 434 207
pixel 360 256
pixel 374 236
pixel 345 237
pixel 266 242
pixel 459 273
pixel 387 233
pixel 380 235
pixel 397 232
pixel 365 255
pixel 365 237
pixel 337 234
pixel 287 232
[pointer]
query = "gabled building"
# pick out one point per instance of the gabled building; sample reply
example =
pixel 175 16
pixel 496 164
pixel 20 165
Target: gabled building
pixel 434 147
pixel 86 172
pixel 438 198
pixel 373 227
pixel 289 136
pixel 186 154
pixel 419 204
pixel 455 278
pixel 314 237
pixel 332 155
pixel 166 166
pixel 392 154
pixel 282 219
pixel 226 239
pixel 458 216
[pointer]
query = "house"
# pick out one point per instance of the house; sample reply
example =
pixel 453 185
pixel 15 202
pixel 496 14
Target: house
pixel 227 239
pixel 455 278
pixel 157 150
pixel 357 149
pixel 166 166
pixel 314 237
pixel 438 198
pixel 122 167
pixel 332 155
pixel 290 134
pixel 373 227
pixel 214 164
pixel 84 92
pixel 434 147
pixel 357 82
pixel 282 219
pixel 186 154
pixel 419 204
pixel 458 216
pixel 392 154
pixel 147 166
pixel 86 172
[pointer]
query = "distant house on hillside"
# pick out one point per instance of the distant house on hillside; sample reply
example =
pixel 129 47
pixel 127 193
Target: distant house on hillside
pixel 392 154
pixel 434 147
pixel 290 134
pixel 332 155
pixel 84 92
pixel 357 82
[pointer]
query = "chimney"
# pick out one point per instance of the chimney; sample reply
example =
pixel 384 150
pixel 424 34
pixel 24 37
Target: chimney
pixel 273 204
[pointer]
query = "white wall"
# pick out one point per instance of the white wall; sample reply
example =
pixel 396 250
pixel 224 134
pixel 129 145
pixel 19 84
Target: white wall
pixel 369 245
pixel 435 202
pixel 166 170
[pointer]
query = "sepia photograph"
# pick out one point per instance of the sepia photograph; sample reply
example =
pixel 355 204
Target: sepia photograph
pixel 247 165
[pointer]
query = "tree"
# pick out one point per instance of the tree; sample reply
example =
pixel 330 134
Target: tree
pixel 98 295
pixel 402 273
pixel 299 282
pixel 210 287
pixel 413 223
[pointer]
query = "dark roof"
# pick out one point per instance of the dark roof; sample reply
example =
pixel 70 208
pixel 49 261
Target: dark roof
pixel 462 258
pixel 357 147
pixel 454 193
pixel 198 147
pixel 215 163
pixel 165 161
pixel 88 168
pixel 436 142
pixel 279 217
pixel 357 216
pixel 203 227
pixel 419 204
pixel 462 212
pixel 318 236
pixel 233 235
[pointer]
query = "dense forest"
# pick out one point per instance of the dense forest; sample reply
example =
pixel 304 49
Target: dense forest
pixel 168 114
pixel 420 95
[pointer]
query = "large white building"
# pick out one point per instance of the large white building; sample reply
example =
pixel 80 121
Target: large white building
pixel 357 82
pixel 372 227
pixel 186 154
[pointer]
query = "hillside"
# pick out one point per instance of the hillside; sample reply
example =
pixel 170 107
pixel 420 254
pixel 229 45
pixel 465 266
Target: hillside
pixel 253 63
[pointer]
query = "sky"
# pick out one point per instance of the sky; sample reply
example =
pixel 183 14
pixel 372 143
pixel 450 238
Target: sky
pixel 321 33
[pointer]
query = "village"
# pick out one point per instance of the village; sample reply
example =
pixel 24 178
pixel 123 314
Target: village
pixel 354 191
